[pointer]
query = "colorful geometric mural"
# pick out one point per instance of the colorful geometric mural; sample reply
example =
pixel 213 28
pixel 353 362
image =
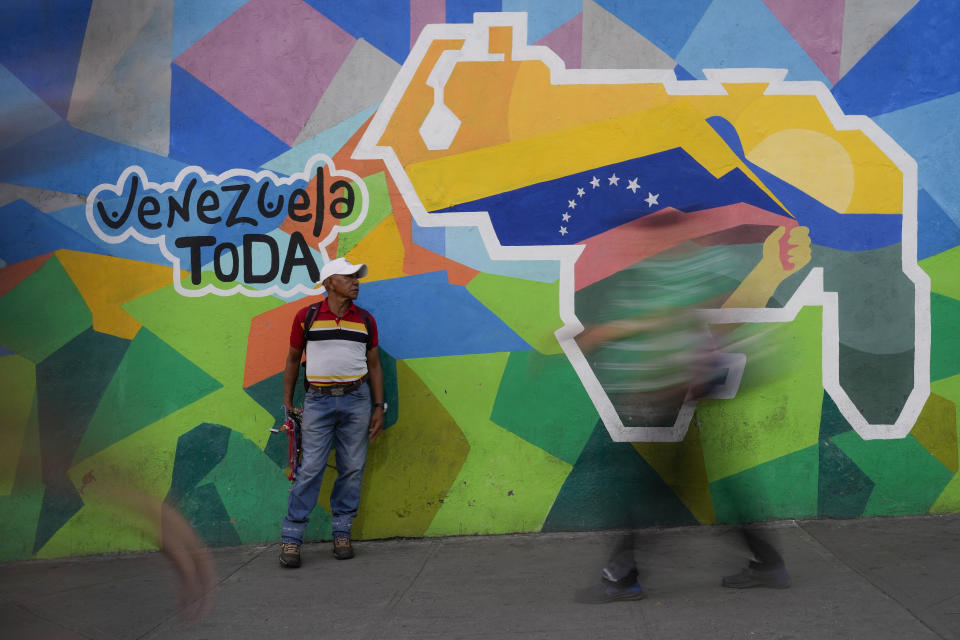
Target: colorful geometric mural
pixel 498 172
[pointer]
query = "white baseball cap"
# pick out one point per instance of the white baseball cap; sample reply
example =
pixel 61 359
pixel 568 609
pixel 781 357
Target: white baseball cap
pixel 341 267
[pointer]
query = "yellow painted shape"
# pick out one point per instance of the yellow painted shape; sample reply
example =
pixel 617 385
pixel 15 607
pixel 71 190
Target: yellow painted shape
pixel 681 466
pixel 403 134
pixel 411 466
pixel 936 430
pixel 572 105
pixel 106 283
pixel 382 251
pixel 506 484
pixel 18 380
pixel 484 172
pixel 878 183
pixel 813 162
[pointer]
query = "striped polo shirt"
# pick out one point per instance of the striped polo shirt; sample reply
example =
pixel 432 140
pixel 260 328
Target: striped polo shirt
pixel 336 347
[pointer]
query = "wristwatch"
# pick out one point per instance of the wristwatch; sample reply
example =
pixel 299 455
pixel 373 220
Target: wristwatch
pixel 381 404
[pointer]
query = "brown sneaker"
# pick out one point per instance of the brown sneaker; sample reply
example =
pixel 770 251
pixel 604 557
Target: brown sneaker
pixel 342 550
pixel 290 555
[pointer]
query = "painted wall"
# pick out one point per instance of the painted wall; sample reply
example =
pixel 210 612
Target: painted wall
pixel 173 173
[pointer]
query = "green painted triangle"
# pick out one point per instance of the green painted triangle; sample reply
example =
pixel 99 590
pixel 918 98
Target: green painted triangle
pixel 42 313
pixel 907 477
pixel 203 508
pixel 152 381
pixel 943 269
pixel 843 489
pixel 198 451
pixel 785 487
pixel 210 331
pixel 945 338
pixel 558 418
pixel 529 308
pixel 612 486
pixel 380 208
pixel 254 492
pixel 832 422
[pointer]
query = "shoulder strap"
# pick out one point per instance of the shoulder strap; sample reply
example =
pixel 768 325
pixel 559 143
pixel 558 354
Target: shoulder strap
pixel 312 312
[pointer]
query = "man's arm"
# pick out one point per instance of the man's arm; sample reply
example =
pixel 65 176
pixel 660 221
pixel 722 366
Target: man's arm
pixel 290 373
pixel 376 386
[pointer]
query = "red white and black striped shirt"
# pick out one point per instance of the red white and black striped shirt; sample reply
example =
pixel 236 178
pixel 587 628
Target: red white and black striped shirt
pixel 336 346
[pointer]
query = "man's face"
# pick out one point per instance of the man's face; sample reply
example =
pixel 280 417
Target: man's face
pixel 344 286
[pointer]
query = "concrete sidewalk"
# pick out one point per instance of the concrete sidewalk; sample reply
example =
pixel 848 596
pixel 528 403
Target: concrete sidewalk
pixel 871 579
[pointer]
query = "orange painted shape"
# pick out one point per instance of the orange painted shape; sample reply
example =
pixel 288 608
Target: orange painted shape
pixel 403 133
pixel 106 283
pixel 477 130
pixel 269 341
pixel 615 250
pixel 13 274
pixel 417 259
pixel 501 41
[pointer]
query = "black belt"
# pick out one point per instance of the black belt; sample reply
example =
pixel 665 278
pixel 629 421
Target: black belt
pixel 340 389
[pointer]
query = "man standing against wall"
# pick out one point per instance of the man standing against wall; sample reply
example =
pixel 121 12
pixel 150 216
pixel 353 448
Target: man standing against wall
pixel 343 407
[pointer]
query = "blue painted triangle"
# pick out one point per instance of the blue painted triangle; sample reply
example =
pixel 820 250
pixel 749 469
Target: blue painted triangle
pixel 63 158
pixel 744 33
pixel 40 43
pixel 75 218
pixel 27 232
pixel 463 10
pixel 933 145
pixel 914 62
pixel 544 16
pixel 683 74
pixel 666 24
pixel 385 25
pixel 936 232
pixel 207 130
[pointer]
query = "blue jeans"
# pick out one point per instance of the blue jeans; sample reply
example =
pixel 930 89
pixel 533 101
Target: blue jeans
pixel 341 421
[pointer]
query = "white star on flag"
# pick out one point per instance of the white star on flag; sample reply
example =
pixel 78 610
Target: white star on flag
pixel 572 204
pixel 614 180
pixel 633 185
pixel 580 192
pixel 651 199
pixel 595 182
pixel 565 216
pixel 563 231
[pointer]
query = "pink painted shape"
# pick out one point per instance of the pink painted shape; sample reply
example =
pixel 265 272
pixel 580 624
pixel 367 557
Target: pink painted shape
pixel 424 12
pixel 272 59
pixel 567 41
pixel 614 250
pixel 817 25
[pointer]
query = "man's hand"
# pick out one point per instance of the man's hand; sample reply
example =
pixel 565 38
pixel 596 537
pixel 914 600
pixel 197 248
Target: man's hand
pixel 376 423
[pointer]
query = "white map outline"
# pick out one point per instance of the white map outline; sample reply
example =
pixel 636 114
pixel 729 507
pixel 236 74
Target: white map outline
pixel 809 293
pixel 313 163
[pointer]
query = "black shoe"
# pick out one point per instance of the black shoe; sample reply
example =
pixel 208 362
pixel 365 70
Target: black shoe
pixel 342 549
pixel 608 591
pixel 757 575
pixel 290 555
